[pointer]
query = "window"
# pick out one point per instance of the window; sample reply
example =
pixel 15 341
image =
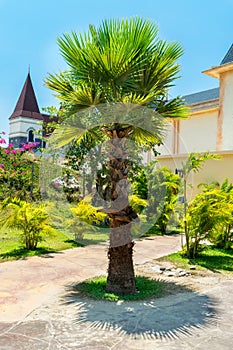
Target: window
pixel 30 136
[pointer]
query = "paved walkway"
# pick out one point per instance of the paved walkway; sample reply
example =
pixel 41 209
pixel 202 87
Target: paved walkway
pixel 38 313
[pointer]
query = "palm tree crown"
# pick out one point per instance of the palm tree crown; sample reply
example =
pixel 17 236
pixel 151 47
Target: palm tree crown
pixel 122 60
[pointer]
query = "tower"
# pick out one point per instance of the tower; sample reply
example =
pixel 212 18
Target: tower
pixel 26 120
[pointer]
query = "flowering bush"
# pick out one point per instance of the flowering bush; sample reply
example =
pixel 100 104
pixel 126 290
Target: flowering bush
pixel 18 170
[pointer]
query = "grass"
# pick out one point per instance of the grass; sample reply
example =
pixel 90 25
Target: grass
pixel 11 248
pixel 95 288
pixel 211 258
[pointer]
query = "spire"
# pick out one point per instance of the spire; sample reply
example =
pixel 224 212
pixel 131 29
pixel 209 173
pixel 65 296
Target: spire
pixel 27 105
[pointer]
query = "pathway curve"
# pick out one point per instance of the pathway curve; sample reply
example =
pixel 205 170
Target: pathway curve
pixel 38 313
pixel 25 284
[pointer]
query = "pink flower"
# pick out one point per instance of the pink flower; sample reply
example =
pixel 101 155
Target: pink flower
pixel 2 141
pixel 14 151
pixel 26 146
pixel 14 164
pixel 1 165
pixel 10 145
pixel 3 133
pixel 6 151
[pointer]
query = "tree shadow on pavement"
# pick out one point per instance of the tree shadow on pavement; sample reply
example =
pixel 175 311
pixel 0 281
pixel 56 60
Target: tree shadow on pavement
pixel 23 253
pixel 168 317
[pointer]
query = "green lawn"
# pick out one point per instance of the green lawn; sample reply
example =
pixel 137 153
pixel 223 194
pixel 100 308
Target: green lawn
pixel 211 258
pixel 11 248
pixel 95 289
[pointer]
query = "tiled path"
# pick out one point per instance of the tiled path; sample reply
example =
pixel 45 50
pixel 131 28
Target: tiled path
pixel 36 311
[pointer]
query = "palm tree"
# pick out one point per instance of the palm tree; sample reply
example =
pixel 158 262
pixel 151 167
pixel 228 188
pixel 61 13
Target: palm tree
pixel 112 70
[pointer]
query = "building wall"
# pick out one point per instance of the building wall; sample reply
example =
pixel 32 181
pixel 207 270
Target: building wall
pixel 167 147
pixel 199 133
pixel 19 128
pixel 226 98
pixel 213 170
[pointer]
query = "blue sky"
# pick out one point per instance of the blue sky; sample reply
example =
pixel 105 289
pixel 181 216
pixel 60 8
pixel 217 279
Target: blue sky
pixel 29 29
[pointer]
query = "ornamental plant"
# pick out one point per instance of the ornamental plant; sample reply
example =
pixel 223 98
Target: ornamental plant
pixel 209 216
pixel 29 218
pixel 163 187
pixel 18 170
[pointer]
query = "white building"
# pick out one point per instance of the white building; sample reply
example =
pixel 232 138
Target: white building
pixel 208 128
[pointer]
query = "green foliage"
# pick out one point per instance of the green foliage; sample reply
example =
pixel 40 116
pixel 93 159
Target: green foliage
pixel 88 213
pixel 139 68
pixel 29 218
pixel 163 187
pixel 137 203
pixel 139 182
pixel 210 216
pixel 194 163
pixel 135 67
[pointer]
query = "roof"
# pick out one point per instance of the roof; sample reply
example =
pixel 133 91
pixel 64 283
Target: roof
pixel 202 96
pixel 228 58
pixel 27 105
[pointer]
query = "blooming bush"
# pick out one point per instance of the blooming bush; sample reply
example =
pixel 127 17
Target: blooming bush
pixel 18 170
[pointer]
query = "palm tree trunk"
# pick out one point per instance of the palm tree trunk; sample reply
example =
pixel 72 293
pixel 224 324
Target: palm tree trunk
pixel 121 278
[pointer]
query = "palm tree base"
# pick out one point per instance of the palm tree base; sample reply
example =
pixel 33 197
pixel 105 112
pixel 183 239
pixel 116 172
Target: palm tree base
pixel 121 278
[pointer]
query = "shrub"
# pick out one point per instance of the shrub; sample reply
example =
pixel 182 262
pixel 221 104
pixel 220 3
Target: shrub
pixel 137 203
pixel 89 214
pixel 31 219
pixel 163 189
pixel 18 171
pixel 85 218
pixel 210 216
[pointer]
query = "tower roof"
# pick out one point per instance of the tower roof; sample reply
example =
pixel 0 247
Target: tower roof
pixel 27 105
pixel 228 58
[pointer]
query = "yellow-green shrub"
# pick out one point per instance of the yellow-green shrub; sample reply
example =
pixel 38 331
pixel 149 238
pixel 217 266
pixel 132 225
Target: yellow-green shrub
pixel 30 219
pixel 86 212
pixel 137 203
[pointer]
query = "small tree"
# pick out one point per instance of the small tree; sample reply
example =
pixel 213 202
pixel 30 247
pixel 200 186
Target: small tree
pixel 194 163
pixel 163 186
pixel 29 218
pixel 209 216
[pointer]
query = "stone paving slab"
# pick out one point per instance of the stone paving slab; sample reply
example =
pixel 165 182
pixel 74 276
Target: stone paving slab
pixel 59 319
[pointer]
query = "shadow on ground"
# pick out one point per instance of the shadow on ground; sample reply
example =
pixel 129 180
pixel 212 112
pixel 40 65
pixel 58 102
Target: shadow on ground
pixel 168 317
pixel 23 253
